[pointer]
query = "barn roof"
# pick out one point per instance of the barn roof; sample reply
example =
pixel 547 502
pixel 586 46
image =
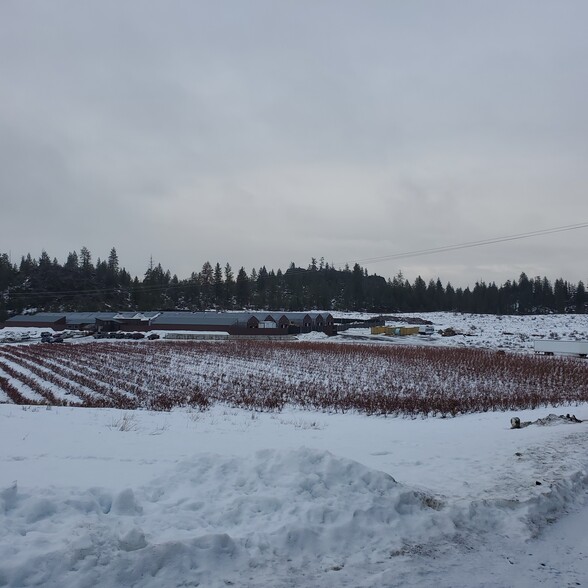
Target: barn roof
pixel 40 317
pixel 194 319
pixel 87 317
pixel 144 316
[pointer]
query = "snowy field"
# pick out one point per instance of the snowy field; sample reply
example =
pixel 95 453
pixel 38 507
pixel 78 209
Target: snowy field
pixel 488 331
pixel 296 498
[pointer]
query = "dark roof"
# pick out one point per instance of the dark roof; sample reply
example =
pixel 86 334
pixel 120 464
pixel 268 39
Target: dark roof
pixel 311 314
pixel 245 316
pixel 73 318
pixel 188 319
pixel 39 317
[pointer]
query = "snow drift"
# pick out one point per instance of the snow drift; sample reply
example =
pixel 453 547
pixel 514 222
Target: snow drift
pixel 215 521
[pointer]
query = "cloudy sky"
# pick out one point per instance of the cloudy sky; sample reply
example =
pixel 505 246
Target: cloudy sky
pixel 265 132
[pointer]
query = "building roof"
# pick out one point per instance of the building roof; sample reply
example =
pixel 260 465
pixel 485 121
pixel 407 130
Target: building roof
pixel 39 317
pixel 245 316
pixel 132 315
pixel 190 319
pixel 167 317
pixel 87 317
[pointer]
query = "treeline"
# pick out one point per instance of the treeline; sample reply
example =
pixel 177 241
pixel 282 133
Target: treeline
pixel 80 284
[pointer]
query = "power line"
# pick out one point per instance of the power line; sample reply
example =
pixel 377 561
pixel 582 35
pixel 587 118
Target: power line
pixel 469 244
pixel 405 255
pixel 121 289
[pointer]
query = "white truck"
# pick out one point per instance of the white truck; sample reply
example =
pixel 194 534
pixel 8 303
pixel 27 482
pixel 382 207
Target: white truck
pixel 426 330
pixel 579 348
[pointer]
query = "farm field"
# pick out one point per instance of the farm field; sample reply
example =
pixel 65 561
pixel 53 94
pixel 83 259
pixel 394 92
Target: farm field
pixel 294 464
pixel 262 375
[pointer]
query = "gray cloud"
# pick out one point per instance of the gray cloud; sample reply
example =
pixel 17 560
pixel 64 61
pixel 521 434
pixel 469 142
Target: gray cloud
pixel 262 132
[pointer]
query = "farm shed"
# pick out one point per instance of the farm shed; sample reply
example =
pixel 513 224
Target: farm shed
pixel 312 321
pixel 50 320
pixel 109 321
pixel 236 323
pixel 170 321
pixel 86 321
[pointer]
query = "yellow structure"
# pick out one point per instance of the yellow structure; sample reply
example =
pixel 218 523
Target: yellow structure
pixel 395 331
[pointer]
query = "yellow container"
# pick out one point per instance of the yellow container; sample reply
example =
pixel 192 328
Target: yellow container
pixel 398 331
pixel 379 330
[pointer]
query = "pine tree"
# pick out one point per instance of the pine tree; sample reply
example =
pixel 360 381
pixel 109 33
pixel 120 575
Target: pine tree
pixel 242 289
pixel 86 260
pixel 580 298
pixel 218 286
pixel 229 291
pixel 206 279
pixel 113 268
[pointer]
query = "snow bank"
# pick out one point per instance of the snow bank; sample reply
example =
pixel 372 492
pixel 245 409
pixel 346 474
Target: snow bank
pixel 209 519
pixel 219 520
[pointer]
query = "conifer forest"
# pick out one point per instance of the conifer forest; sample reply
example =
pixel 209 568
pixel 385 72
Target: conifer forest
pixel 82 283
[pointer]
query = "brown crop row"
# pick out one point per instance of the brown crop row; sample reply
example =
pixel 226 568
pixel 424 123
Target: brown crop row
pixel 13 393
pixel 264 375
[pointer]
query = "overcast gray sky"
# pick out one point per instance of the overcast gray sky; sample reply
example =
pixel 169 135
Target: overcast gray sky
pixel 264 132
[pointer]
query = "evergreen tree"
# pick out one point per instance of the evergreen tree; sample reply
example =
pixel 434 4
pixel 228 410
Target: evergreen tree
pixel 580 298
pixel 229 291
pixel 419 299
pixel 449 297
pixel 357 287
pixel 7 273
pixel 261 286
pixel 560 293
pixel 218 286
pixel 242 289
pixel 86 260
pixel 72 264
pixel 206 279
pixel 525 294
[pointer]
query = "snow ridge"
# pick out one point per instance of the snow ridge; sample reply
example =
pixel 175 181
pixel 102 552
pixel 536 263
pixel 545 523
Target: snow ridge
pixel 215 520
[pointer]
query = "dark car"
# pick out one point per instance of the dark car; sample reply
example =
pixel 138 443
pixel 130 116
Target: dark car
pixel 137 336
pixel 56 339
pixel 153 336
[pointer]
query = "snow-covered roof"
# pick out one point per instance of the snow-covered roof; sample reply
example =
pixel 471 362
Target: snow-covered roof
pixel 132 315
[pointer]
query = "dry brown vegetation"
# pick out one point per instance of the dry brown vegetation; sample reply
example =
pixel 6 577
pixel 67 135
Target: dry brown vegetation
pixel 265 375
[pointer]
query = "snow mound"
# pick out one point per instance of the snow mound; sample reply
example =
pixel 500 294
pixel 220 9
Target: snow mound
pixel 217 521
pixel 208 520
pixel 302 500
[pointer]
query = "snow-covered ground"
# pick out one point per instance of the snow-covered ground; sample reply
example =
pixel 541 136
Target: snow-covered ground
pixel 487 330
pixel 227 497
pixel 104 497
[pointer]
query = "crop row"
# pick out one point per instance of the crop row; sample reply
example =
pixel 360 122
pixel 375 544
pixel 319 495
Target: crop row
pixel 265 375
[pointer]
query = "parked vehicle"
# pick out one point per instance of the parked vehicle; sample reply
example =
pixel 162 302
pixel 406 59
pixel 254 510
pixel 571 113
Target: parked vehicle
pixel 426 330
pixel 579 348
pixel 153 336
